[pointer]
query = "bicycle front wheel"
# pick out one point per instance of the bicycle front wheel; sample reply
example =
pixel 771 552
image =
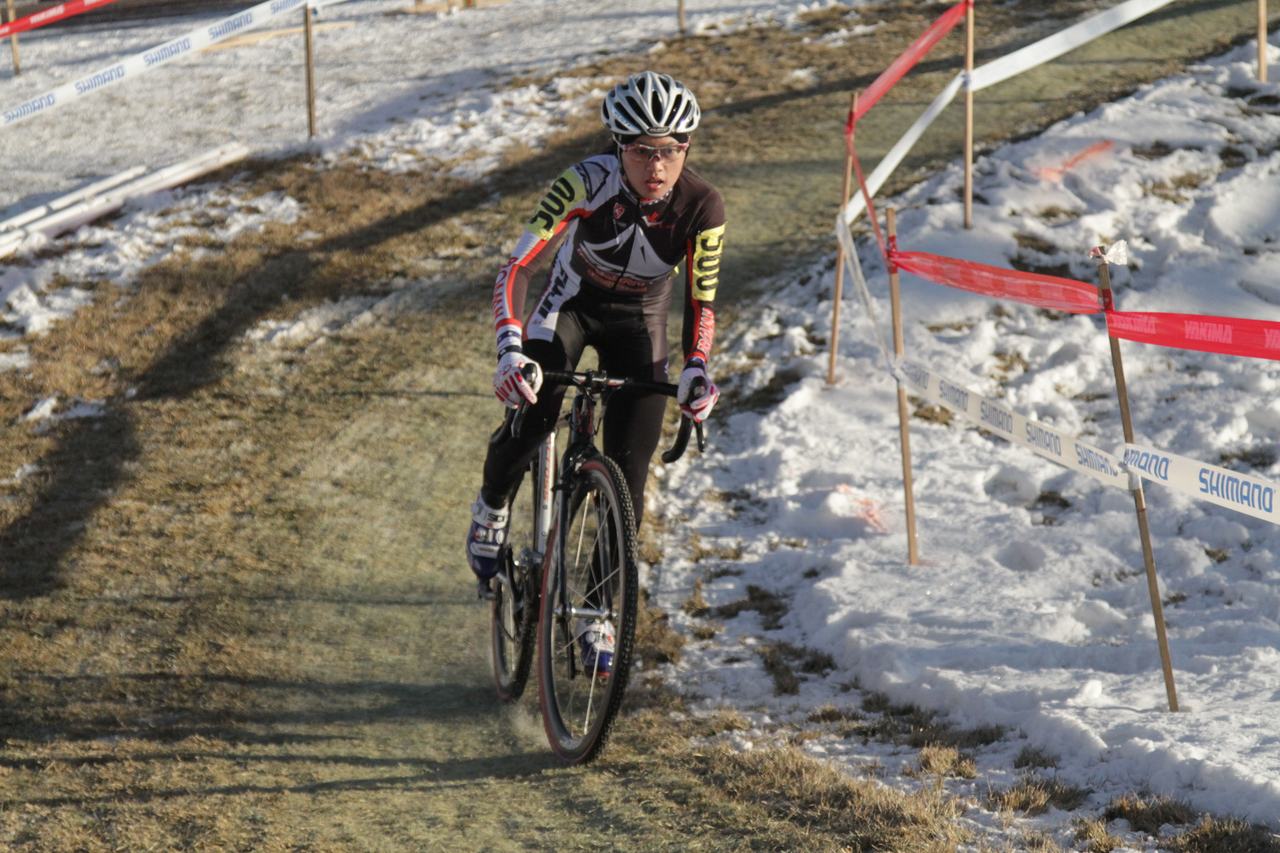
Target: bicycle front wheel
pixel 589 578
pixel 515 593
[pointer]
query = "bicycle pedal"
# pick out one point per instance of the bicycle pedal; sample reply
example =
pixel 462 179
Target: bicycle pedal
pixel 484 591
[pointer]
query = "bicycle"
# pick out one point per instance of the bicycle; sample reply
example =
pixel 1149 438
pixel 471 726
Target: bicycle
pixel 548 581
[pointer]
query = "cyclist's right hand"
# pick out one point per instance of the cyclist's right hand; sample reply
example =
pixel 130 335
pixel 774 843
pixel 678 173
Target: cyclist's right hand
pixel 697 394
pixel 517 379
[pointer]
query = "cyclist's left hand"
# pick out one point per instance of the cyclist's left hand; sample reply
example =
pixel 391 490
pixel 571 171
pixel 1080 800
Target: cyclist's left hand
pixel 696 394
pixel 517 379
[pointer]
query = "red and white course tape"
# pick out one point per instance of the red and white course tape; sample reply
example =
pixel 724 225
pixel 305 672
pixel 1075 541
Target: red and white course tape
pixel 908 60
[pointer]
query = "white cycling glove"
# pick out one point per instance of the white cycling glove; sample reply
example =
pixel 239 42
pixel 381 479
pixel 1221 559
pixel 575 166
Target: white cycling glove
pixel 510 382
pixel 696 393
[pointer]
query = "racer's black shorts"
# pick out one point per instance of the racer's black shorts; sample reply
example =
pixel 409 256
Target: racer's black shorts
pixel 631 340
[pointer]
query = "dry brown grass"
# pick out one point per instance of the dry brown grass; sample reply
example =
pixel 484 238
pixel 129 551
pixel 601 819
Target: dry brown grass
pixel 1148 814
pixel 1092 832
pixel 771 607
pixel 1177 190
pixel 944 761
pixel 1029 756
pixel 857 815
pixel 1225 835
pixel 832 714
pixel 1053 214
pixel 705 632
pixel 695 604
pixel 657 641
pixel 1034 795
pixel 918 728
pixel 783 661
pixel 931 413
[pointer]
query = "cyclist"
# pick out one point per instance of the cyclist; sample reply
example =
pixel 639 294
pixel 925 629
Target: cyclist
pixel 618 223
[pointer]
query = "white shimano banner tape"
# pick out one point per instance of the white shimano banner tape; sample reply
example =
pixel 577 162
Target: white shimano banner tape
pixel 1242 492
pixel 853 266
pixel 903 147
pixel 148 60
pixel 1048 49
pixel 1043 440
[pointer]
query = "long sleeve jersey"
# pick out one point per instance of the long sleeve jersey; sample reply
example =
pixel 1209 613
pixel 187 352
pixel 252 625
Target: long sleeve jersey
pixel 611 241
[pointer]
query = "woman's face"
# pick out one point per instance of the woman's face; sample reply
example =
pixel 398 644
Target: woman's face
pixel 652 165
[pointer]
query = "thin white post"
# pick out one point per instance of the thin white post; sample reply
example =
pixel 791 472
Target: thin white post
pixel 845 194
pixel 895 303
pixel 13 42
pixel 1262 41
pixel 968 116
pixel 311 71
pixel 1139 499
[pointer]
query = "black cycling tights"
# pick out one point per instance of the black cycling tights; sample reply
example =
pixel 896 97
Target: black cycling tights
pixel 627 346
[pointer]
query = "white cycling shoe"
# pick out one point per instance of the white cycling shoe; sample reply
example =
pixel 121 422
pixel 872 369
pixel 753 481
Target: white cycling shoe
pixel 596 640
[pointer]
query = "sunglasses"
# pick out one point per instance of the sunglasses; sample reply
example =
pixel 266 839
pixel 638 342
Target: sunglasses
pixel 645 153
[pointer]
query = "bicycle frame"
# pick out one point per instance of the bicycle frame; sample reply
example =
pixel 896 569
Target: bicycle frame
pixel 583 527
pixel 544 490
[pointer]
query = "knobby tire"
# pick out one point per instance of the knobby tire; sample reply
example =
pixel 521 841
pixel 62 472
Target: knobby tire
pixel 578 708
pixel 514 611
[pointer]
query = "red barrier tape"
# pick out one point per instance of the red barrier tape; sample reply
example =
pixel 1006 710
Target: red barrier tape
pixel 871 208
pixel 1044 291
pixel 1223 335
pixel 50 15
pixel 904 63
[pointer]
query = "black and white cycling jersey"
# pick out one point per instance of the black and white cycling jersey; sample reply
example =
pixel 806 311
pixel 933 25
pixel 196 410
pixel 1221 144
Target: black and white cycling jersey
pixel 612 245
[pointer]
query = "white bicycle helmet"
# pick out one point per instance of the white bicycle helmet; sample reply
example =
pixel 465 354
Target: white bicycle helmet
pixel 650 104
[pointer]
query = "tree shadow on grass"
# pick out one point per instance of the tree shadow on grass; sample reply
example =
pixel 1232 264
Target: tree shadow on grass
pixel 171 707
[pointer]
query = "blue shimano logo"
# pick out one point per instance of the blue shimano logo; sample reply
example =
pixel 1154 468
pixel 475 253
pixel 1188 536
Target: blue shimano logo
pixel 1237 490
pixel 954 395
pixel 918 375
pixel 1095 461
pixel 996 417
pixel 102 78
pixel 1038 436
pixel 31 107
pixel 231 25
pixel 1152 464
pixel 166 52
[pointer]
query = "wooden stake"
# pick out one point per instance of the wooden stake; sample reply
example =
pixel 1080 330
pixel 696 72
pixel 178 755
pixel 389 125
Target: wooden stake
pixel 968 117
pixel 13 42
pixel 1140 502
pixel 895 302
pixel 1262 41
pixel 846 192
pixel 680 14
pixel 311 72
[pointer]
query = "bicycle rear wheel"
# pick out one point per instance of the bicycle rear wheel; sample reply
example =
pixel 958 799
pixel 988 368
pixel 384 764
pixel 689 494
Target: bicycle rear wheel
pixel 590 574
pixel 515 600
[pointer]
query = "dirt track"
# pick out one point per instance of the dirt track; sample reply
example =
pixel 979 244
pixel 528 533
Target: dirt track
pixel 234 612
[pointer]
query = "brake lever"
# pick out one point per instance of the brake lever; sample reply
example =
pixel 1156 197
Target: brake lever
pixel 529 371
pixel 682 441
